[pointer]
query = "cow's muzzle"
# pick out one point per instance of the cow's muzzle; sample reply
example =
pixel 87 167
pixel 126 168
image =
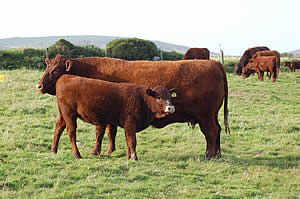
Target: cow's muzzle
pixel 170 109
pixel 39 87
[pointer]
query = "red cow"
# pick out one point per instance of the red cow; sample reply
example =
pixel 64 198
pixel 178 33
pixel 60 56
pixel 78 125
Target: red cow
pixel 292 65
pixel 196 53
pixel 260 65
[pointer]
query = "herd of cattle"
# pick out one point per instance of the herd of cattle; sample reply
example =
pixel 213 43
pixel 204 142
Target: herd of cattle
pixel 110 92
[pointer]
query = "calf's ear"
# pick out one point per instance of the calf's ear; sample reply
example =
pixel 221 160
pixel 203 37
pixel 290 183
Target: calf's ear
pixel 151 92
pixel 68 65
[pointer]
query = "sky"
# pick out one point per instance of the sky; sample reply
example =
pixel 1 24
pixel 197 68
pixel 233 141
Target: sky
pixel 232 25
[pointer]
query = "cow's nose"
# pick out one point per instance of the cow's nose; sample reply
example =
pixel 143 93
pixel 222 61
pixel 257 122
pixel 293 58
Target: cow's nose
pixel 39 87
pixel 170 109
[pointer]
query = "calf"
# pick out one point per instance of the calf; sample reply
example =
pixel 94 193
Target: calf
pixel 260 65
pixel 292 65
pixel 99 102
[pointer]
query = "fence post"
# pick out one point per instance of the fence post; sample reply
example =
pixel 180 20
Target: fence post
pixel 222 57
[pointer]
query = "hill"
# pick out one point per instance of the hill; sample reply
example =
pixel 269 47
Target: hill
pixel 99 41
pixel 295 52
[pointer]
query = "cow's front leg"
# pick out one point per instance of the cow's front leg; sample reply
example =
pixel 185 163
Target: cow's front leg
pixel 130 133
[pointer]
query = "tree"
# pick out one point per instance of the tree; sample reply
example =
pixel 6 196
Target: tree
pixel 131 49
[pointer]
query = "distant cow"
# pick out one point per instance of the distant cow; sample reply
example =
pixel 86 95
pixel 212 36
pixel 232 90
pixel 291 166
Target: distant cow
pixel 99 102
pixel 292 65
pixel 260 65
pixel 247 55
pixel 270 53
pixel 202 88
pixel 196 53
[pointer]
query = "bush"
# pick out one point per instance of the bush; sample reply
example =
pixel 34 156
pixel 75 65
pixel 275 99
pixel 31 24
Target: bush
pixel 173 55
pixel 131 49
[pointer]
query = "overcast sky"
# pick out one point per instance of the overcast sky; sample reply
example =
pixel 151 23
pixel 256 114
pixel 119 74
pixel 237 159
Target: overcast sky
pixel 236 25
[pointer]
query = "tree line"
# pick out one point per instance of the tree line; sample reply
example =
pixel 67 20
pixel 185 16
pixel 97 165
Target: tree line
pixel 128 49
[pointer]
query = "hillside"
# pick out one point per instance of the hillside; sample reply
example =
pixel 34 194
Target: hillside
pixel 295 52
pixel 99 41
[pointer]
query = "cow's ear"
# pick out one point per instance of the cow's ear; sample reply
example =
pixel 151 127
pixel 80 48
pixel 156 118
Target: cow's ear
pixel 47 61
pixel 173 92
pixel 68 65
pixel 151 92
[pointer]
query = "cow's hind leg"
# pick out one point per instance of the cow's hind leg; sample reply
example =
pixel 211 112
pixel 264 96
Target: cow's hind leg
pixel 211 130
pixel 100 131
pixel 59 128
pixel 111 133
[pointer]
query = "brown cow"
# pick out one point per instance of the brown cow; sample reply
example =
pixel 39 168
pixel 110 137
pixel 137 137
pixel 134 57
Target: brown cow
pixel 247 55
pixel 292 65
pixel 260 65
pixel 270 53
pixel 202 87
pixel 196 53
pixel 99 102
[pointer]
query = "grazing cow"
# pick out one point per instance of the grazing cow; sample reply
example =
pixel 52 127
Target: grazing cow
pixel 202 88
pixel 247 55
pixel 260 65
pixel 196 53
pixel 270 53
pixel 292 65
pixel 99 102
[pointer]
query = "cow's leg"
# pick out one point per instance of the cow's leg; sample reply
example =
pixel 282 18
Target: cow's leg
pixel 111 133
pixel 130 133
pixel 71 129
pixel 100 131
pixel 211 132
pixel 59 128
pixel 261 75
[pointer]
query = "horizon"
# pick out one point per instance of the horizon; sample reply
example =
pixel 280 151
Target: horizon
pixel 232 26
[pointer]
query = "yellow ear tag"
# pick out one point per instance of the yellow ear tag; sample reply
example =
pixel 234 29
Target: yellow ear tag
pixel 173 95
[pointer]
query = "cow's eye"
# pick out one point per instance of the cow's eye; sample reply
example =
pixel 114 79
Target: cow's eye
pixel 158 98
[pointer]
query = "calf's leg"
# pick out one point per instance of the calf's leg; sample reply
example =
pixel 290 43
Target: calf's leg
pixel 59 128
pixel 130 133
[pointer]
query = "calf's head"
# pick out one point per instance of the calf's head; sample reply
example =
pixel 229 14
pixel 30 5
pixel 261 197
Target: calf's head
pixel 55 69
pixel 248 70
pixel 160 101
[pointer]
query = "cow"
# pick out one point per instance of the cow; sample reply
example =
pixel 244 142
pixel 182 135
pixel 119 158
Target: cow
pixel 260 65
pixel 247 55
pixel 202 88
pixel 196 53
pixel 270 53
pixel 292 65
pixel 99 102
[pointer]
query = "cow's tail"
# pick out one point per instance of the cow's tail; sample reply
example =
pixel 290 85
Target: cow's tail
pixel 226 116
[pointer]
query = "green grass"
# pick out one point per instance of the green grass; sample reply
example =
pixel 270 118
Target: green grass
pixel 260 159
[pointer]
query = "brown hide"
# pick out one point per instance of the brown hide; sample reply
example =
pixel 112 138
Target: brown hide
pixel 261 64
pixel 201 88
pixel 196 53
pixel 100 103
pixel 247 55
pixel 270 53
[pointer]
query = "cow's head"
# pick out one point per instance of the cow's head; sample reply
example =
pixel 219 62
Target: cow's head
pixel 287 64
pixel 55 68
pixel 248 70
pixel 160 103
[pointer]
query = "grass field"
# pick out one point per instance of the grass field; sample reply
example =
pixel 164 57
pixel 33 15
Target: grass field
pixel 260 159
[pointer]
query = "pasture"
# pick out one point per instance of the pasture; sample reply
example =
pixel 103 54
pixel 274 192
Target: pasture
pixel 260 159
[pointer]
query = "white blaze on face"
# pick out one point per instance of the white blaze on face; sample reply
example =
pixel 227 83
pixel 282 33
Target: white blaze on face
pixel 169 108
